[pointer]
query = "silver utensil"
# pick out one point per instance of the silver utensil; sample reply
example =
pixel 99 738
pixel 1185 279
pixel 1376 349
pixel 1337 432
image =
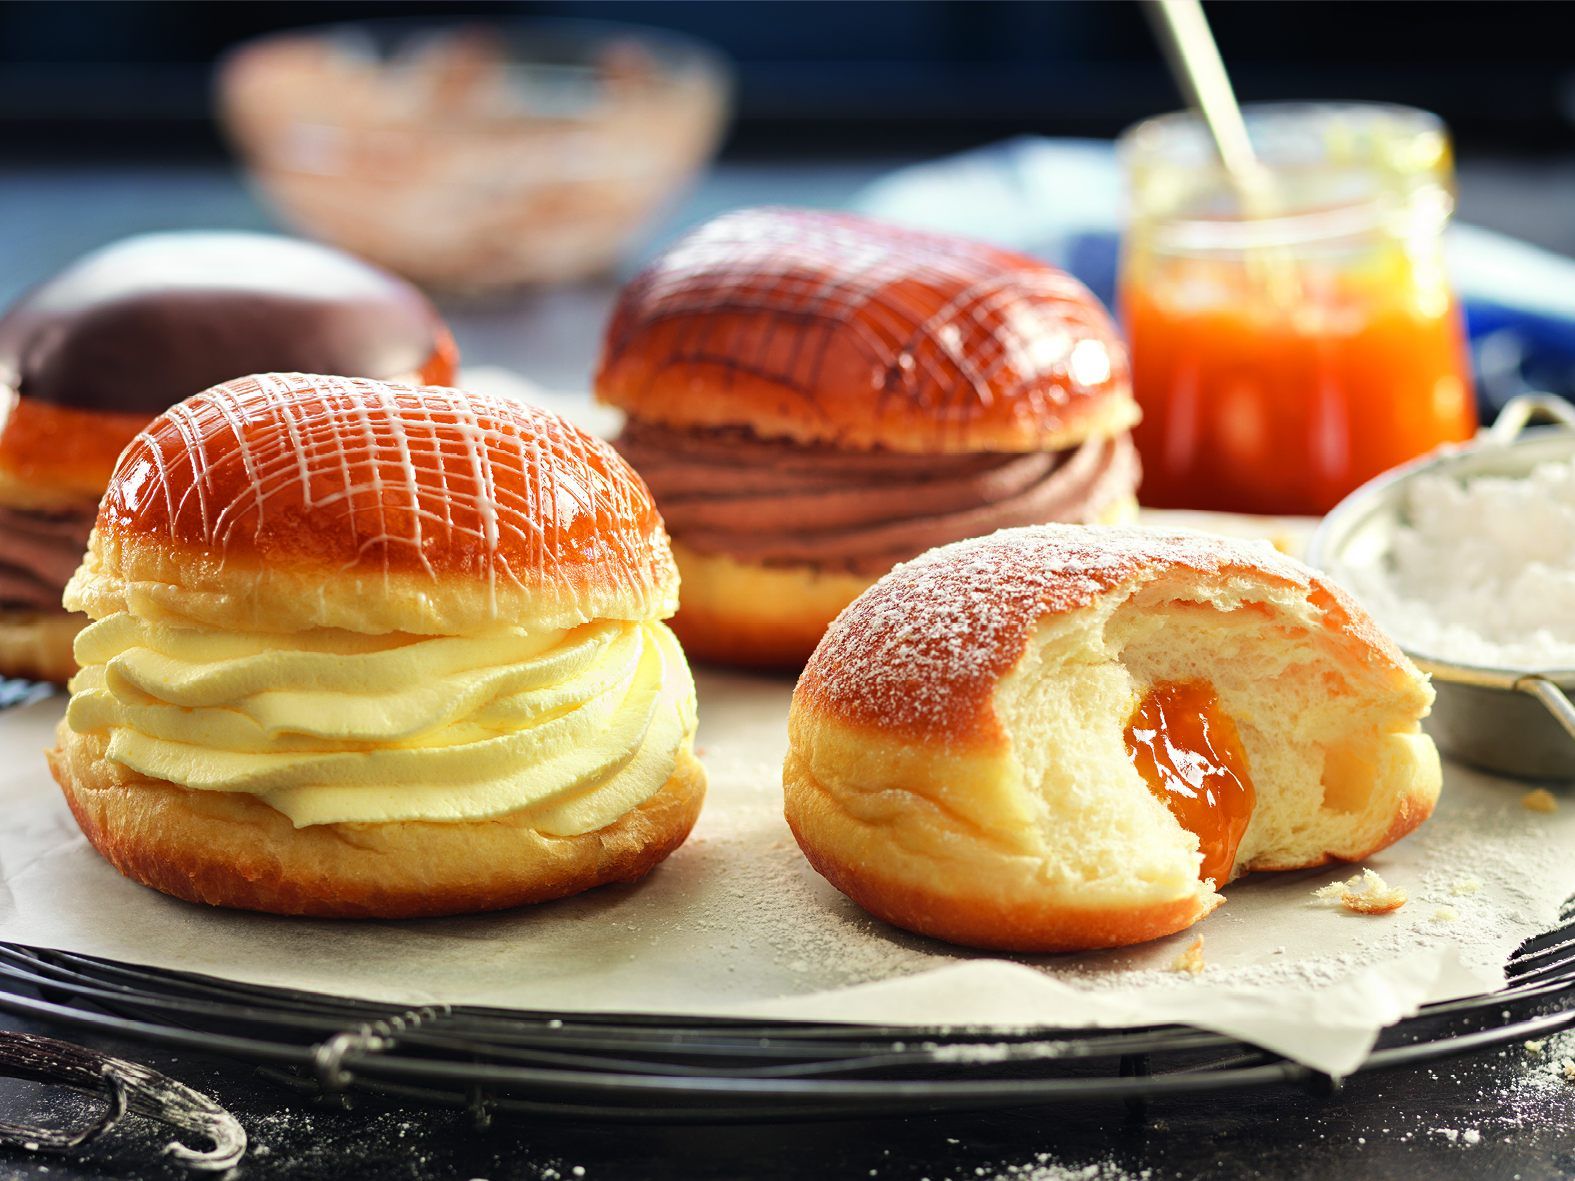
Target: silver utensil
pixel 1195 63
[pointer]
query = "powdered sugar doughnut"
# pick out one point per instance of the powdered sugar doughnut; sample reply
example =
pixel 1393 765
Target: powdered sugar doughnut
pixel 1060 737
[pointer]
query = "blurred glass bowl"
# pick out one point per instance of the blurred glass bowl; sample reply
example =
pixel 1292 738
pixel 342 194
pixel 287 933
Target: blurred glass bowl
pixel 479 156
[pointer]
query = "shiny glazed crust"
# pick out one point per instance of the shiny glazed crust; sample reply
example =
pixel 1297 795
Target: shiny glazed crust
pixel 934 779
pixel 834 328
pixel 36 645
pixel 285 501
pixel 59 456
pixel 233 850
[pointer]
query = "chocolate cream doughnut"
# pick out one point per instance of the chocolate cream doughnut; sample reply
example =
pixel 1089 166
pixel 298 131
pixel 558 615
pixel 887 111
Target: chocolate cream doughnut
pixel 814 397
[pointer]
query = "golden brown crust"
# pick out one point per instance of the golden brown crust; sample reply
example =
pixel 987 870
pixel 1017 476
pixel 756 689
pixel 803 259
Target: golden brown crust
pixel 284 501
pixel 756 616
pixel 937 683
pixel 834 328
pixel 52 456
pixel 58 455
pixel 233 850
pixel 36 645
pixel 1411 810
pixel 966 907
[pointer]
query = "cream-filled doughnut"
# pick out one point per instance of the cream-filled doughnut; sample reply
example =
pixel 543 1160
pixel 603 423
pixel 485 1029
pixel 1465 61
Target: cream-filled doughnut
pixel 814 397
pixel 1060 738
pixel 382 650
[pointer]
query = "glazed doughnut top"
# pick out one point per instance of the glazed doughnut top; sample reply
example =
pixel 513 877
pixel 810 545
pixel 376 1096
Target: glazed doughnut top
pixel 136 326
pixel 837 329
pixel 352 487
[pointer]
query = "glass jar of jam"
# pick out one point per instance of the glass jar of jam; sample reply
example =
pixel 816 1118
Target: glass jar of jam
pixel 1290 342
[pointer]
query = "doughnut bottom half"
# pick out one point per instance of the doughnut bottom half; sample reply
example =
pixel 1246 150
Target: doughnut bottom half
pixel 228 849
pixel 997 904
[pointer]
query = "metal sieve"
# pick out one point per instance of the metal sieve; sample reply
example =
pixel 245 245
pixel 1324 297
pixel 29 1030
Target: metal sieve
pixel 1516 722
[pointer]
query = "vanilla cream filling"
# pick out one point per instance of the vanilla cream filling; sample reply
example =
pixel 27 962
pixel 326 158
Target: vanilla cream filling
pixel 563 730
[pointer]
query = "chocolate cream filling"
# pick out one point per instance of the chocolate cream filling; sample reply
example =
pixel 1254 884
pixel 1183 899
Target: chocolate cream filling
pixel 40 550
pixel 775 502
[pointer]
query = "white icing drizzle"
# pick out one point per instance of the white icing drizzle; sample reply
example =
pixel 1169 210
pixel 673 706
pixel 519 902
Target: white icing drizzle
pixel 419 470
pixel 942 322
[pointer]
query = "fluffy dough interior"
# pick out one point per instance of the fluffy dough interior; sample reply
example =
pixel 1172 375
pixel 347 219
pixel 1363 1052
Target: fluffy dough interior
pixel 1336 755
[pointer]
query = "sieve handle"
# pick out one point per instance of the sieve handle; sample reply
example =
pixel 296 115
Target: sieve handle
pixel 1552 696
pixel 1521 411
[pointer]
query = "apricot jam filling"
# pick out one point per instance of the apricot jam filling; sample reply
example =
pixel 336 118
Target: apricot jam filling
pixel 1188 751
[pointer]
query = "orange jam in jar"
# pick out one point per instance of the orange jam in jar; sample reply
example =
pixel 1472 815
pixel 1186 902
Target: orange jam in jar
pixel 1292 342
pixel 1188 752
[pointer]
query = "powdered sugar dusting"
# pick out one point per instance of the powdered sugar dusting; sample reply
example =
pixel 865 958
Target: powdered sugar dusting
pixel 920 652
pixel 771 903
pixel 1482 571
pixel 1044 1167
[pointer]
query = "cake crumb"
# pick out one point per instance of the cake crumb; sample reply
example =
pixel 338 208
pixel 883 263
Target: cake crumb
pixel 1366 893
pixel 1466 885
pixel 1539 799
pixel 1191 960
pixel 1445 914
pixel 1567 1067
pixel 1536 1045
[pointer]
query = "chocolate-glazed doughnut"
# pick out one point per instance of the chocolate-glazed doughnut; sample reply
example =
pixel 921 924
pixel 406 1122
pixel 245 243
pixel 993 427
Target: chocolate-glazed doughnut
pixel 90 355
pixel 137 326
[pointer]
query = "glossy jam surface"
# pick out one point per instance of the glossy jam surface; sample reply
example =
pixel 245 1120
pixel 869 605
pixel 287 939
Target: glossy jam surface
pixel 1249 407
pixel 1188 751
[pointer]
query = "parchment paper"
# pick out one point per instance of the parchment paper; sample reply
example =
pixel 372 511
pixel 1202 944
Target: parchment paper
pixel 736 923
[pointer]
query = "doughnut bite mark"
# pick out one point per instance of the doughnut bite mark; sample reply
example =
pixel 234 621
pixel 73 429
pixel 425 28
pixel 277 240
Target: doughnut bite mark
pixel 1062 738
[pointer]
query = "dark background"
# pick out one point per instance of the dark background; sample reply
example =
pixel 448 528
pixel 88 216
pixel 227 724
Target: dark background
pixel 132 77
